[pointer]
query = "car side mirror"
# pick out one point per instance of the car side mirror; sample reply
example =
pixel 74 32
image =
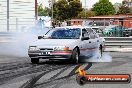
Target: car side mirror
pixel 85 38
pixel 40 37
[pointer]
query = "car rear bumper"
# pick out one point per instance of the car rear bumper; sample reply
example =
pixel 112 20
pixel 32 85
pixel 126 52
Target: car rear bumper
pixel 50 55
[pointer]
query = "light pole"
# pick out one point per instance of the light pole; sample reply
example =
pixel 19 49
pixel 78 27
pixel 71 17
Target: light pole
pixel 36 10
pixel 7 15
pixel 85 8
pixel 52 10
pixel 51 4
pixel 52 18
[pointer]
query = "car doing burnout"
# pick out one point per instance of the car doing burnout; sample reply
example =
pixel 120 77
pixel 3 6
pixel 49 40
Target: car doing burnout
pixel 69 42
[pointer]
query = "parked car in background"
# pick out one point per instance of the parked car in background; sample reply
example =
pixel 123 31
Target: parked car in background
pixel 127 32
pixel 114 31
pixel 99 23
pixel 98 30
pixel 70 42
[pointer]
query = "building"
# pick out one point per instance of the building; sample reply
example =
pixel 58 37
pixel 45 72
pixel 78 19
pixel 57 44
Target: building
pixel 21 14
pixel 124 20
pixel 76 22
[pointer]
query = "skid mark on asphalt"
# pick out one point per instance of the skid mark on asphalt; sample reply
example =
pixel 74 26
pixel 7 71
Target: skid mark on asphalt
pixel 11 67
pixel 50 80
pixel 15 73
pixel 60 83
pixel 12 74
pixel 53 77
pixel 62 79
pixel 31 82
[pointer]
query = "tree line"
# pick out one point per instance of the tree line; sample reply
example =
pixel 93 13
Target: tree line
pixel 68 9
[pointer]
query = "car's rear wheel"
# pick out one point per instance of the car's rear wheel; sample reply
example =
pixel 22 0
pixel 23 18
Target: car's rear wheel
pixel 35 60
pixel 75 56
pixel 101 50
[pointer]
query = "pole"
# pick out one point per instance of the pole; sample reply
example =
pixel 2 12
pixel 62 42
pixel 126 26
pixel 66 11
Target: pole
pixel 52 10
pixel 7 15
pixel 85 8
pixel 52 22
pixel 36 10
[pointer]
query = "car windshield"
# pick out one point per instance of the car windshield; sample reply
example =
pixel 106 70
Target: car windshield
pixel 66 33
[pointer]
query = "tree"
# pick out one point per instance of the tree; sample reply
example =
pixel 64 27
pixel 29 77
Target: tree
pixel 61 10
pixel 117 6
pixel 43 11
pixel 66 9
pixel 40 10
pixel 104 7
pixel 124 10
pixel 46 11
pixel 75 7
pixel 86 13
pixel 130 9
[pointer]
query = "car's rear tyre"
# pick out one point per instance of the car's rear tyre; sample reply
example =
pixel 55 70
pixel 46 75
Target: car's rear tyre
pixel 35 60
pixel 75 56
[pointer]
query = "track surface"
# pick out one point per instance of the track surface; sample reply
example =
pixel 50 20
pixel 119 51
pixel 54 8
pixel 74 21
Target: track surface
pixel 18 72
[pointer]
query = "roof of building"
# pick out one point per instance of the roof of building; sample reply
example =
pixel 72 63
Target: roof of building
pixel 111 17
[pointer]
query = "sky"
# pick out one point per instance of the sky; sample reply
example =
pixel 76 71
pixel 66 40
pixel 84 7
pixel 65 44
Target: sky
pixel 89 3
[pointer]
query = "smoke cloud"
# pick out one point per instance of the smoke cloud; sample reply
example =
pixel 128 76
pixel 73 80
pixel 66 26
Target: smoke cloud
pixel 18 42
pixel 97 57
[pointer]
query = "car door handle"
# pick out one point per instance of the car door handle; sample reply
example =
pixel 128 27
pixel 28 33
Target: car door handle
pixel 89 41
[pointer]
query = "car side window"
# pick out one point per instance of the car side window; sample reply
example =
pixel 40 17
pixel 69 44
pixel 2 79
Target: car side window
pixel 92 36
pixel 91 33
pixel 96 35
pixel 85 33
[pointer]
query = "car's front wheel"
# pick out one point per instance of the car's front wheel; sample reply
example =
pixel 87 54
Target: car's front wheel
pixel 35 60
pixel 75 56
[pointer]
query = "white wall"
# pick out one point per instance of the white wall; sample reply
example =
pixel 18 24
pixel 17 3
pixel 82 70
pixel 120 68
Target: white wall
pixel 22 13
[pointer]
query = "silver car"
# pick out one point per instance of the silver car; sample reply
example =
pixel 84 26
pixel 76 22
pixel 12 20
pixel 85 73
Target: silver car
pixel 70 42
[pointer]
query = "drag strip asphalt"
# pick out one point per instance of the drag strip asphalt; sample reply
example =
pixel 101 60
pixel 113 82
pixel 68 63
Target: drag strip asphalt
pixel 19 72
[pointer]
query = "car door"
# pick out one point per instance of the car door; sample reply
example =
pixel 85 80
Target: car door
pixel 86 43
pixel 92 37
pixel 97 40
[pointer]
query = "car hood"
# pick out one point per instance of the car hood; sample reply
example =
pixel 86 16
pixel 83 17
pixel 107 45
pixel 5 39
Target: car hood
pixel 54 42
